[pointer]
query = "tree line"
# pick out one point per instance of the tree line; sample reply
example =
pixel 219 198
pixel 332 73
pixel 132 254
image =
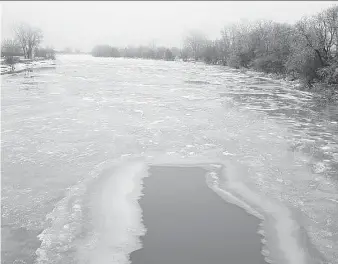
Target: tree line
pixel 144 52
pixel 307 50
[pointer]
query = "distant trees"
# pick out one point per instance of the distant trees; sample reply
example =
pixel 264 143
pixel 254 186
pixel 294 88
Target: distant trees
pixel 105 51
pixel 48 53
pixel 145 52
pixel 10 47
pixel 194 43
pixel 184 55
pixel 68 50
pixel 168 55
pixel 176 52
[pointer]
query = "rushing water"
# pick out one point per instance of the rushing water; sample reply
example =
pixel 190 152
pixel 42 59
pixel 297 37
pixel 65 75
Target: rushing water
pixel 61 127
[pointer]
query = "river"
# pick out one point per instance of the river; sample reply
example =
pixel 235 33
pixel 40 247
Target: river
pixel 61 126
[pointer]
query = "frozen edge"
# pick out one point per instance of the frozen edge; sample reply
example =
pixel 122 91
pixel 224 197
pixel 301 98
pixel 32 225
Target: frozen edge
pixel 283 239
pixel 116 218
pixel 34 65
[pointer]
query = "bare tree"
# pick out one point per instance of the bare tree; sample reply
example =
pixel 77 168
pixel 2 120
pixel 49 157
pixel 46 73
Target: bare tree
pixel 29 38
pixel 225 44
pixel 34 39
pixel 331 22
pixel 319 32
pixel 21 37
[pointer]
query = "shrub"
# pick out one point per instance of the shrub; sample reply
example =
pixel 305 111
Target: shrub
pixel 305 65
pixel 234 61
pixel 269 64
pixel 329 74
pixel 10 60
pixel 238 59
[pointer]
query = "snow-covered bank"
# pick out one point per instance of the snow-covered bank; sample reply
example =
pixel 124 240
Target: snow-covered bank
pixel 24 66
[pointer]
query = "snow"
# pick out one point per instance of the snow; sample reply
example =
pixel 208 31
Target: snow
pixel 18 67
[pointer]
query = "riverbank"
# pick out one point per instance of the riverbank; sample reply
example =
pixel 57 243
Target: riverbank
pixel 26 65
pixel 326 92
pixel 187 222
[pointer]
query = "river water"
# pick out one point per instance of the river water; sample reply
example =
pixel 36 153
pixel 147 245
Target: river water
pixel 62 126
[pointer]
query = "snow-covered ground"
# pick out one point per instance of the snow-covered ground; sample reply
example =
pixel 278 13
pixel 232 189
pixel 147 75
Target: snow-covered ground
pixel 19 67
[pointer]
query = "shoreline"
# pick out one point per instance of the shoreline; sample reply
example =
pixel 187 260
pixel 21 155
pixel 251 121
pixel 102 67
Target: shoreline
pixel 23 66
pixel 318 89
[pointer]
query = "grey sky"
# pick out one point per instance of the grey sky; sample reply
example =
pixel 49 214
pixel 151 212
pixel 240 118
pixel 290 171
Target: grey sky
pixel 85 24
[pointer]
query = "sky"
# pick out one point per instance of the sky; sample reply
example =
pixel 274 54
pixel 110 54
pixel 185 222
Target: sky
pixel 84 24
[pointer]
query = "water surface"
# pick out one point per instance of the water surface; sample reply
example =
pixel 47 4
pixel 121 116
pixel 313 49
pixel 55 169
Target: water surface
pixel 61 127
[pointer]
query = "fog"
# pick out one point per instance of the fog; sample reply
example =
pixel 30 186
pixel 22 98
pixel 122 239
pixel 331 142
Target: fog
pixel 84 24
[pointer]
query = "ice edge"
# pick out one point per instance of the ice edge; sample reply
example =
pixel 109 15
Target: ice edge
pixel 280 232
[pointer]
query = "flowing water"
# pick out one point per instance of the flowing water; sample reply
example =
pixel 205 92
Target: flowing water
pixel 61 127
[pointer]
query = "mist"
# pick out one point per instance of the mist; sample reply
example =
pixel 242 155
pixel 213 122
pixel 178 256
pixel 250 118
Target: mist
pixel 82 25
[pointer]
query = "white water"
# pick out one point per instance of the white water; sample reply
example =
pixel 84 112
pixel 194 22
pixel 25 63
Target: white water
pixel 62 127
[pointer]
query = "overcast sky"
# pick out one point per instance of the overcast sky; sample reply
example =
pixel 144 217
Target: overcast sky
pixel 84 24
